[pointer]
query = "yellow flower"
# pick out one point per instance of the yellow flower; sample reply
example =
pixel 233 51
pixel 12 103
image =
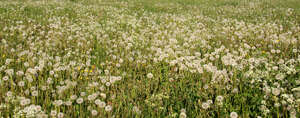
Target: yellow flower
pixel 78 68
pixel 91 71
pixel 93 66
pixel 4 55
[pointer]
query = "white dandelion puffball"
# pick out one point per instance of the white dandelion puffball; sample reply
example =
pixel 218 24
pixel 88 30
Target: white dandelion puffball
pixel 219 98
pixel 94 112
pixel 108 108
pixel 149 75
pixel 233 115
pixel 182 115
pixel 205 105
pixel 79 100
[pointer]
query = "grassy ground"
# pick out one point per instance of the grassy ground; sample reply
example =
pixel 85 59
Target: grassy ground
pixel 142 58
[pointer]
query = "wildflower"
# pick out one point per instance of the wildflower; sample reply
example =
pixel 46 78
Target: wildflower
pixel 43 88
pixel 23 102
pixel 103 95
pixel 182 115
pixel 296 89
pixel 275 91
pixel 73 97
pixel 277 105
pixel 233 115
pixel 235 90
pixel 58 102
pixel 51 73
pixel 205 105
pixel 107 84
pixel 219 98
pixel 102 88
pixel 79 100
pixel 91 97
pixel 182 110
pixel 8 61
pixel 53 113
pixel 295 50
pixel 5 78
pixel 21 83
pixel 108 108
pixel 68 103
pixel 26 64
pixel 280 76
pixel 20 73
pixel 97 101
pixel 102 104
pixel 33 88
pixel 209 101
pixel 293 113
pixel 82 94
pixel 149 75
pixel 136 110
pixel 205 86
pixel 49 80
pixel 34 93
pixel 60 115
pixel 26 92
pixel 106 72
pixel 94 112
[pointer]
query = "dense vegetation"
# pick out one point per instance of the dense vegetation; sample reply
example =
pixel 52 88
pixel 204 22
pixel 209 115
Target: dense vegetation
pixel 149 58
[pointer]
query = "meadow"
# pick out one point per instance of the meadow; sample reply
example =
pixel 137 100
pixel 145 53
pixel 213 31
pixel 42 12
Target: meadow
pixel 149 59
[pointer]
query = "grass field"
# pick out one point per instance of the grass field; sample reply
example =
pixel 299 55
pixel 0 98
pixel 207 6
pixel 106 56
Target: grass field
pixel 150 58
